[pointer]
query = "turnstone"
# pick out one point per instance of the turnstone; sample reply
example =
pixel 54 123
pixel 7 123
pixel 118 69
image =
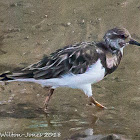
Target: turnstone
pixel 77 66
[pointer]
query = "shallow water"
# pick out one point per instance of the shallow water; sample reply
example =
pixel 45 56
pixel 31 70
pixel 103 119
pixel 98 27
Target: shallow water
pixel 31 28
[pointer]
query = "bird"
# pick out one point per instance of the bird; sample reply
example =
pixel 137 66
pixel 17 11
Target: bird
pixel 77 66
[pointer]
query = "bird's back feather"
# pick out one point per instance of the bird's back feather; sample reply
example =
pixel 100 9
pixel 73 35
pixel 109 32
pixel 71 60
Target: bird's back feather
pixel 75 59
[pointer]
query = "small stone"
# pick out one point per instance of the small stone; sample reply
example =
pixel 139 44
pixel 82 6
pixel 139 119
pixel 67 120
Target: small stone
pixel 83 21
pixel 27 37
pixel 124 4
pixel 38 95
pixel 89 132
pixel 46 16
pixel 74 11
pixel 68 23
pixel 24 53
pixel 99 19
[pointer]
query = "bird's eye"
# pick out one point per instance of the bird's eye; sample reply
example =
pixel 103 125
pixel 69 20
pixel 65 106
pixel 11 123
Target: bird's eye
pixel 123 36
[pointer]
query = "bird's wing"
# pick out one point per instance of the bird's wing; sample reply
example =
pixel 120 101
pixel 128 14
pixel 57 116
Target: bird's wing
pixel 74 59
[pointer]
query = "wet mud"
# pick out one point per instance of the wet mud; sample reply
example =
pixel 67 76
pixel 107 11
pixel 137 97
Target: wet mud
pixel 31 28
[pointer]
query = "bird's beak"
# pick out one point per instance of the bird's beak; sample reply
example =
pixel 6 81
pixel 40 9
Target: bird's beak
pixel 134 42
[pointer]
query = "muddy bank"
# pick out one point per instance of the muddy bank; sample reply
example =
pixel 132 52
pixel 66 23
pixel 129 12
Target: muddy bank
pixel 31 28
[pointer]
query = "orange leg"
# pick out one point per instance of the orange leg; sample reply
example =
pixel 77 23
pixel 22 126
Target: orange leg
pixel 48 98
pixel 92 100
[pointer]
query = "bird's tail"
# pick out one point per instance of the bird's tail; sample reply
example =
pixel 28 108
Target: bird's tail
pixel 25 73
pixel 6 76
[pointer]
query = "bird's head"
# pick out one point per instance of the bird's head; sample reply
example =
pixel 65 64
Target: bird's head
pixel 118 38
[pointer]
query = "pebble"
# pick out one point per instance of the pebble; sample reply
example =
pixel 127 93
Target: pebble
pixel 83 21
pixel 38 95
pixel 27 37
pixel 46 16
pixel 74 11
pixel 68 23
pixel 99 19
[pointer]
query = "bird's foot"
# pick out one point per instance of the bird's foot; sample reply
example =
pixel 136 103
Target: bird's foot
pixel 93 101
pixel 99 105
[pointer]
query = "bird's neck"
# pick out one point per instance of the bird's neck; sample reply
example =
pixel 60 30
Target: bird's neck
pixel 104 46
pixel 109 59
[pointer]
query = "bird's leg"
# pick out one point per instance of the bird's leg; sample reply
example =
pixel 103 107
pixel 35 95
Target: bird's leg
pixel 88 91
pixel 48 98
pixel 92 100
